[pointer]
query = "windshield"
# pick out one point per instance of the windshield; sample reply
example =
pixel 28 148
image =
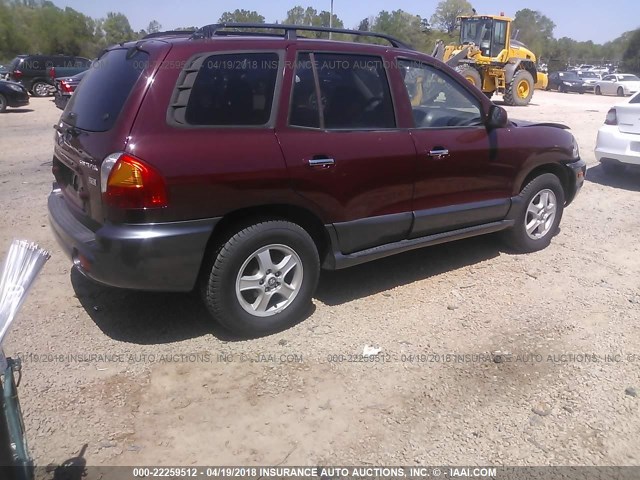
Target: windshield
pixel 474 30
pixel 569 75
pixel 588 75
pixel 629 78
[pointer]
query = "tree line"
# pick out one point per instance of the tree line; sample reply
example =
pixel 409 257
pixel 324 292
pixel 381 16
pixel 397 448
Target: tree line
pixel 39 26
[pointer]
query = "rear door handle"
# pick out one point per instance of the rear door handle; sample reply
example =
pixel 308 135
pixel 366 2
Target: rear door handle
pixel 321 162
pixel 438 153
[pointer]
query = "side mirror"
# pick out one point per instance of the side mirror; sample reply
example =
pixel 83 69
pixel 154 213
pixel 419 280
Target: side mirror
pixel 497 118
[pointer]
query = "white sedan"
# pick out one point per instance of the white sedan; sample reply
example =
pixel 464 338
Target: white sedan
pixel 619 84
pixel 618 143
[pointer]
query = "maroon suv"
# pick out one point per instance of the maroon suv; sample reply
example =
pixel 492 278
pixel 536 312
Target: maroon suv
pixel 241 163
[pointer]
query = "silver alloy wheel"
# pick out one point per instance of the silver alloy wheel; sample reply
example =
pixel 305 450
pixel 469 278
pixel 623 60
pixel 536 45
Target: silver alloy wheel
pixel 41 89
pixel 541 214
pixel 269 280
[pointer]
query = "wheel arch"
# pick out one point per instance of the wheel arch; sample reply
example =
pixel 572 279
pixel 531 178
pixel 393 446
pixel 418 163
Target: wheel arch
pixel 241 218
pixel 554 168
pixel 520 64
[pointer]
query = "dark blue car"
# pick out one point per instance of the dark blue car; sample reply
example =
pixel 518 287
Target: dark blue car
pixel 12 95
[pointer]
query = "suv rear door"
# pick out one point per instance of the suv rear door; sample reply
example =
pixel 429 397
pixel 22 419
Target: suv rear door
pixel 344 150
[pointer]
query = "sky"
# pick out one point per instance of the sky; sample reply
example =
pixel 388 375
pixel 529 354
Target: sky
pixel 584 20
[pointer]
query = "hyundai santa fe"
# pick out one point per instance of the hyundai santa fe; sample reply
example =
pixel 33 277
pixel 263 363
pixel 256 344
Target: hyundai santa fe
pixel 240 163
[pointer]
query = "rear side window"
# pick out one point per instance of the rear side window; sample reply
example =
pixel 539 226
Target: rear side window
pixel 231 90
pixel 354 93
pixel 98 100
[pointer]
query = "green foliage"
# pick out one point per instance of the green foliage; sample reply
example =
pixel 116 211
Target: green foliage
pixel 446 13
pixel 117 29
pixel 631 56
pixel 241 16
pixel 534 30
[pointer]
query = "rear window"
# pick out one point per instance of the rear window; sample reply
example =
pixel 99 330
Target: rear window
pixel 15 62
pixel 97 102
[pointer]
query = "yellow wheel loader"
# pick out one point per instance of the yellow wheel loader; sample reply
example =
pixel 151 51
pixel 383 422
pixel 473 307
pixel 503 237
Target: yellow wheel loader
pixel 489 58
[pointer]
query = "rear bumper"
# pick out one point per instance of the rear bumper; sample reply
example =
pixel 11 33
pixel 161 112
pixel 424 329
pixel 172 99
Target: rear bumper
pixel 158 257
pixel 61 100
pixel 612 144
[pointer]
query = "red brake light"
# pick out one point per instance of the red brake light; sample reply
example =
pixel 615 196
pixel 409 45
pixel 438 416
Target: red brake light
pixel 134 184
pixel 52 72
pixel 612 118
pixel 17 74
pixel 64 86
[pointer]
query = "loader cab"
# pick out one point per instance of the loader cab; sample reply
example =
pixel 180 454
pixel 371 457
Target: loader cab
pixel 488 33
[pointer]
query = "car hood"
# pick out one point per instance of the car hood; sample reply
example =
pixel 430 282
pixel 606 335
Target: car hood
pixel 527 123
pixel 7 82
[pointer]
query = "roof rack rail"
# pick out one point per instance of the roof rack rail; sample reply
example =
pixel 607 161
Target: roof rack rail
pixel 209 31
pixel 168 33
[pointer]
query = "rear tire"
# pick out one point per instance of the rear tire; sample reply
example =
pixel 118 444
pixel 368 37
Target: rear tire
pixel 3 103
pixel 541 211
pixel 598 91
pixel 41 89
pixel 262 279
pixel 620 92
pixel 520 90
pixel 471 75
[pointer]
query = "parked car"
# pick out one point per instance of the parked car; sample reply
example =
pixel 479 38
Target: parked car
pixel 620 84
pixel 566 82
pixel 32 71
pixel 65 88
pixel 12 95
pixel 618 142
pixel 251 161
pixel 589 78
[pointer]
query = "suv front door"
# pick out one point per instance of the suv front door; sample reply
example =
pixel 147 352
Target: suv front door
pixel 464 176
pixel 343 150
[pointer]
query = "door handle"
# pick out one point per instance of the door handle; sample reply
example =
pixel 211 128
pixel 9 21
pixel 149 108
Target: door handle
pixel 438 153
pixel 321 162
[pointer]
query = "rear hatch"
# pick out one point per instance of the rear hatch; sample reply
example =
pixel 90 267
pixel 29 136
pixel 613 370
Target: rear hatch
pixel 628 115
pixel 97 122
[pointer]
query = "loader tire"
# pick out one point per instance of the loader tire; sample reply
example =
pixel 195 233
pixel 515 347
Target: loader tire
pixel 520 90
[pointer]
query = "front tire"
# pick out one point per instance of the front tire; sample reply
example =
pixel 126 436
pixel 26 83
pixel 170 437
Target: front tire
pixel 3 103
pixel 620 92
pixel 262 278
pixel 598 91
pixel 520 90
pixel 542 201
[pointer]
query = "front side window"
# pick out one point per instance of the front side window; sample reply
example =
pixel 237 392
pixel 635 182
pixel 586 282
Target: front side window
pixel 353 89
pixel 233 90
pixel 438 100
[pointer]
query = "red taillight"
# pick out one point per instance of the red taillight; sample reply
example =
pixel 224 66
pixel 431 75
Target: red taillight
pixel 52 72
pixel 17 74
pixel 134 184
pixel 65 87
pixel 612 118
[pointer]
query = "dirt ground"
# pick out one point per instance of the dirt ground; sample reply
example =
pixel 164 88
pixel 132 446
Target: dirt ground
pixel 147 379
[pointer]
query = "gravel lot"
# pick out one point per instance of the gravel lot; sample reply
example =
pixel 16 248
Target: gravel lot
pixel 166 386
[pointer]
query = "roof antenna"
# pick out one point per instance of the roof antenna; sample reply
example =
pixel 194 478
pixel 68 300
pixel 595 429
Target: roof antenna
pixel 474 11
